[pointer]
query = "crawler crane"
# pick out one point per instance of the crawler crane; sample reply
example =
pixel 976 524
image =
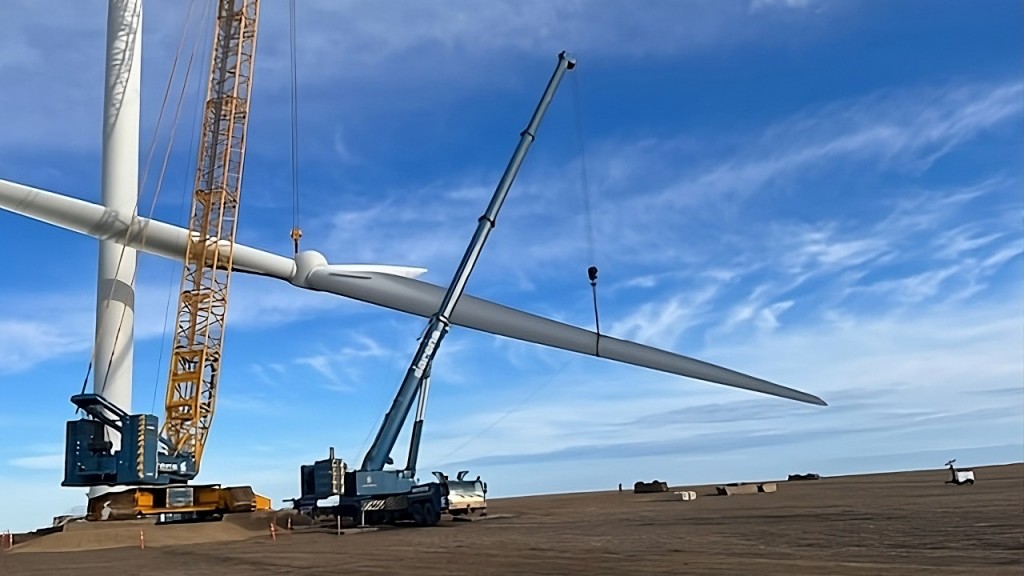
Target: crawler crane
pixel 371 494
pixel 157 463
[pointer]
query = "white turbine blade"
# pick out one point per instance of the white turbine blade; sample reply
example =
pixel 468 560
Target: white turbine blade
pixel 423 299
pixel 357 269
pixel 157 237
pixel 147 235
pixel 387 286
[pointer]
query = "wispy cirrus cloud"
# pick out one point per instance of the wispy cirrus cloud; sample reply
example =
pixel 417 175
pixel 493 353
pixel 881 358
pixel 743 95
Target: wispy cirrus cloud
pixel 359 44
pixel 895 130
pixel 43 462
pixel 870 371
pixel 24 344
pixel 756 5
pixel 662 324
pixel 51 325
pixel 813 268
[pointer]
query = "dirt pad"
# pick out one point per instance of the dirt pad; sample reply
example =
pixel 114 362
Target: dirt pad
pixel 886 524
pixel 79 536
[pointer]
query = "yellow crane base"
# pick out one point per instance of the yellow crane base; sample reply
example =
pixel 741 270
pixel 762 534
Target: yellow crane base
pixel 184 502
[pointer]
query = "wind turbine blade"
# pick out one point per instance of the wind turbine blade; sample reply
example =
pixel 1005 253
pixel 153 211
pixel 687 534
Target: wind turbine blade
pixel 359 269
pixel 147 235
pixel 157 237
pixel 423 299
pixel 390 287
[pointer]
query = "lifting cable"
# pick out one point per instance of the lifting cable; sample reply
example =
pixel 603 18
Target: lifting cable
pixel 146 167
pixel 591 272
pixel 182 206
pixel 588 220
pixel 296 229
pixel 166 159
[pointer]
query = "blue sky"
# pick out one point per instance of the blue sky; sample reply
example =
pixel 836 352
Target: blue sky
pixel 823 194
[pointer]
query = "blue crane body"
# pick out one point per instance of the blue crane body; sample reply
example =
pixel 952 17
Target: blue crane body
pixel 371 493
pixel 90 459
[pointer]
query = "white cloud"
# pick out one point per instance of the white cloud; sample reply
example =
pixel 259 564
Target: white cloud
pixel 322 364
pixel 25 344
pixel 366 46
pixel 891 130
pixel 1006 253
pixel 661 323
pixel 360 37
pixel 914 288
pixel 342 149
pixel 756 5
pixel 45 326
pixel 964 239
pixel 902 371
pixel 768 318
pixel 44 462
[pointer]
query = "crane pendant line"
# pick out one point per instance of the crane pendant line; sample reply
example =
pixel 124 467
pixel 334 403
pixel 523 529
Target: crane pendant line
pixel 379 453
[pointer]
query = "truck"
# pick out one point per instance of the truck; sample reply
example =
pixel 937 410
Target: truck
pixel 466 498
pixel 372 494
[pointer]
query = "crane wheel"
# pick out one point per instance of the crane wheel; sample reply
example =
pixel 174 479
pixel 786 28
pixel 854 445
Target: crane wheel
pixel 416 511
pixel 430 514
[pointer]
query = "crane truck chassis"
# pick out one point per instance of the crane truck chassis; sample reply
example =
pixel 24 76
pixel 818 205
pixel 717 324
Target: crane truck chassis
pixel 371 494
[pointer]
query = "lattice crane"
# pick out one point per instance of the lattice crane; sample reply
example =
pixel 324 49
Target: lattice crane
pixel 203 300
pixel 148 459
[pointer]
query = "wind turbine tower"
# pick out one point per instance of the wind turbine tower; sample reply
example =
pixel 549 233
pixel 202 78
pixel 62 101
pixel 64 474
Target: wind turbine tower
pixel 119 192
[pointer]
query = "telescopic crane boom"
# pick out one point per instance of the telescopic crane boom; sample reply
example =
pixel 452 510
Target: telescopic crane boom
pixel 394 494
pixel 418 373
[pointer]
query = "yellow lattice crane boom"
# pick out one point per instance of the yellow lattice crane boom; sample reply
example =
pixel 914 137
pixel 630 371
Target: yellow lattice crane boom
pixel 203 299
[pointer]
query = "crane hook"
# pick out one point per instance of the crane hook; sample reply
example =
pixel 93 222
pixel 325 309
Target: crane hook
pixel 592 273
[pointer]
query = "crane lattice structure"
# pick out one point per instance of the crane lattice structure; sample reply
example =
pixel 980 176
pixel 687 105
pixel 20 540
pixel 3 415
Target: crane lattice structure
pixel 203 299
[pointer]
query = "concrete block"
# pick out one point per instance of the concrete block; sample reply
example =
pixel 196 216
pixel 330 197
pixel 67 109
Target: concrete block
pixel 737 489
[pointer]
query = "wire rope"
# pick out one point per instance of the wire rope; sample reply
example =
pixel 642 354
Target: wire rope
pixel 193 142
pixel 146 167
pixel 296 229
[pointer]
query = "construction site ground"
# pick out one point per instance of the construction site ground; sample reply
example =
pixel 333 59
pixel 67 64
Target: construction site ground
pixel 904 523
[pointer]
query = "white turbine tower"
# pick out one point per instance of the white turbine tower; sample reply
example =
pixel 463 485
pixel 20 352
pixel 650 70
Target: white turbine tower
pixel 119 192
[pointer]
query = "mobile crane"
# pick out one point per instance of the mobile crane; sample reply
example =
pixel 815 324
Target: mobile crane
pixel 158 463
pixel 372 494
